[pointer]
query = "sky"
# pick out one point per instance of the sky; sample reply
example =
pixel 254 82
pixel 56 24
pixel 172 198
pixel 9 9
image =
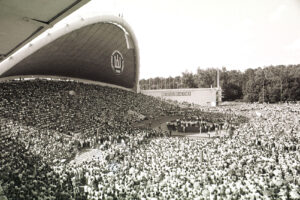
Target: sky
pixel 175 36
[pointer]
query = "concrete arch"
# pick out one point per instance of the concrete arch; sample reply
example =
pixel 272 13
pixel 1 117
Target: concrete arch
pixel 81 49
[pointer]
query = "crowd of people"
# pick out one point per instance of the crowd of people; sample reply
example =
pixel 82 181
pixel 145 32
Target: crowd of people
pixel 261 160
pixel 44 126
pixel 196 125
pixel 54 120
pixel 199 120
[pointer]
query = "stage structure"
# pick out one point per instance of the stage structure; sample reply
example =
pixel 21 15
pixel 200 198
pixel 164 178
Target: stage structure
pixel 99 49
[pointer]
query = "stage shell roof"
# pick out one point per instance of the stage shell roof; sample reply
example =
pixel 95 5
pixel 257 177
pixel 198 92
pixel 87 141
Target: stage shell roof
pixel 100 49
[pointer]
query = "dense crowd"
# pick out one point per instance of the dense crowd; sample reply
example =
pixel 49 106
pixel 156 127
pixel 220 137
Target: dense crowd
pixel 200 120
pixel 52 121
pixel 43 126
pixel 197 124
pixel 261 160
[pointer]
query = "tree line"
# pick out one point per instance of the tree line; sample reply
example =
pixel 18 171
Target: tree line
pixel 269 84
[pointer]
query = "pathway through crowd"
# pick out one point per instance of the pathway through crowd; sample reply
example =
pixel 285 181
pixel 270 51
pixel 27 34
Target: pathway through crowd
pixel 88 155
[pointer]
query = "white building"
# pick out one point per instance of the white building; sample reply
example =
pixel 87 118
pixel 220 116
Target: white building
pixel 200 96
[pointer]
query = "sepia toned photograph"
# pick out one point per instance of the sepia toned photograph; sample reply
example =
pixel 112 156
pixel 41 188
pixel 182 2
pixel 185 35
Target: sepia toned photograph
pixel 149 100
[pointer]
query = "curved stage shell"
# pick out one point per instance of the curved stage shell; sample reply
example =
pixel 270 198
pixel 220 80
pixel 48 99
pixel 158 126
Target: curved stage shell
pixel 102 49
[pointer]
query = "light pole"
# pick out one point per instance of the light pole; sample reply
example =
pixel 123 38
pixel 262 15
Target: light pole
pixel 264 90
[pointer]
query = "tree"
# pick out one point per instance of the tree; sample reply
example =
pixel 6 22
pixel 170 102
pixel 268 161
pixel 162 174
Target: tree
pixel 269 84
pixel 206 78
pixel 251 91
pixel 232 92
pixel 188 80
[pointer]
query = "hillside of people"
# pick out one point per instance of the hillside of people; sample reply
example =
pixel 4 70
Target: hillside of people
pixel 46 124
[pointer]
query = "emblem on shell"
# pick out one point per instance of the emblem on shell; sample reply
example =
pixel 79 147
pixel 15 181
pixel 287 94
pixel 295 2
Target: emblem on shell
pixel 117 62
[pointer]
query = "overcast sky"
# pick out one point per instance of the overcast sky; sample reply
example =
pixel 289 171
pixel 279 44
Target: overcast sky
pixel 179 35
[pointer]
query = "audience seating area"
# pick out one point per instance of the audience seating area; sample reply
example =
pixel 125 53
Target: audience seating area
pixel 46 124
